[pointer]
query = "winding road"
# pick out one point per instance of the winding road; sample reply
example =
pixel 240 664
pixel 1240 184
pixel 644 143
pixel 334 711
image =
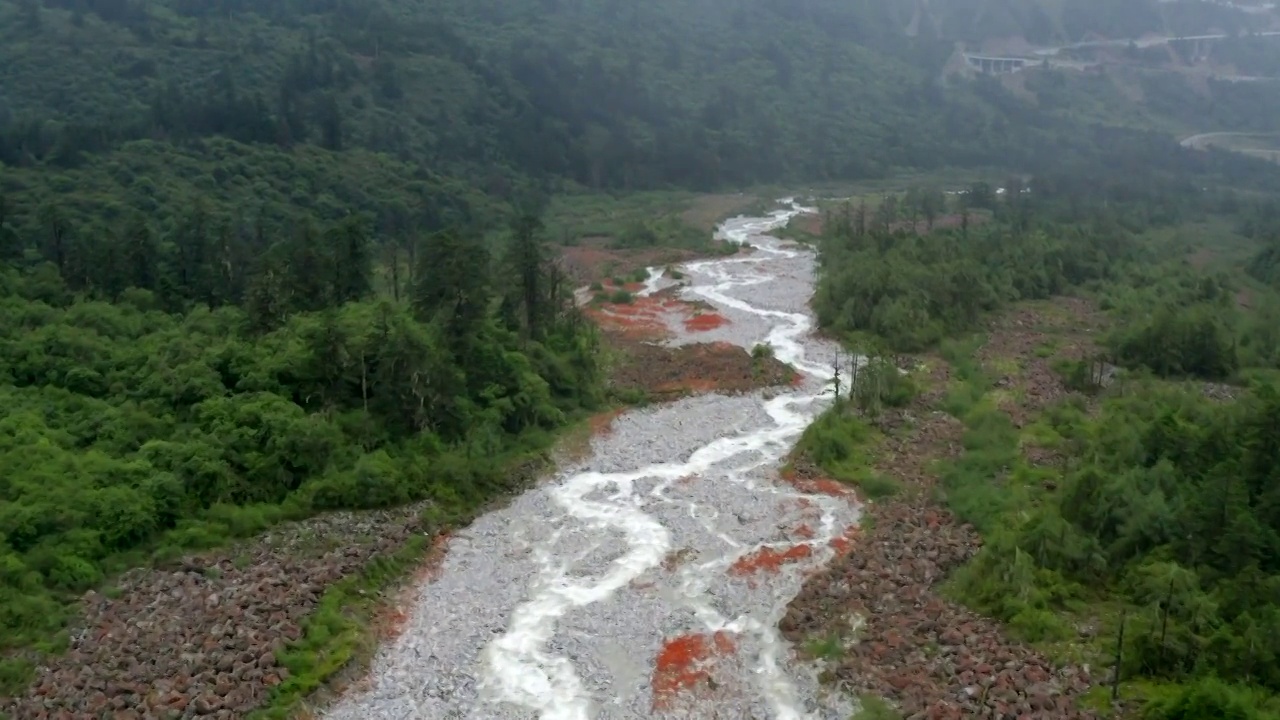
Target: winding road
pixel 1204 140
pixel 1145 41
pixel 647 581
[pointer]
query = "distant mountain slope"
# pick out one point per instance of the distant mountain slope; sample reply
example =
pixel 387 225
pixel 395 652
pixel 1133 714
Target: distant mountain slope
pixel 1050 22
pixel 605 93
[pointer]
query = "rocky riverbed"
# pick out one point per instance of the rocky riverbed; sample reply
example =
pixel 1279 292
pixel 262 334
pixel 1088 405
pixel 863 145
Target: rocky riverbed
pixel 896 635
pixel 204 639
pixel 650 574
pixel 648 580
pixel 666 571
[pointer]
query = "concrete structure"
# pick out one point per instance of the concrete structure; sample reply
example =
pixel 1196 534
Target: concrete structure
pixel 992 65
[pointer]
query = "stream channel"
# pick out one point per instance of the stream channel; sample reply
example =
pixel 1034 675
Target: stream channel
pixel 648 579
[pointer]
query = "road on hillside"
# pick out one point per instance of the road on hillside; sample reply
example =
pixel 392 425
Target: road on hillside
pixel 1203 140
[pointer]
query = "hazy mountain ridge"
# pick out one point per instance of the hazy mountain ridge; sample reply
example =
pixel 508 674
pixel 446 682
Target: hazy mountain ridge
pixel 603 93
pixel 1052 22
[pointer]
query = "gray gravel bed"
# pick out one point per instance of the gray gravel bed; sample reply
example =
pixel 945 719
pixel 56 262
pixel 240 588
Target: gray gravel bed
pixel 556 606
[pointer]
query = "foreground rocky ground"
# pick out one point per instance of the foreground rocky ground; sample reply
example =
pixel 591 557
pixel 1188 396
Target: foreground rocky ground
pixel 877 617
pixel 205 639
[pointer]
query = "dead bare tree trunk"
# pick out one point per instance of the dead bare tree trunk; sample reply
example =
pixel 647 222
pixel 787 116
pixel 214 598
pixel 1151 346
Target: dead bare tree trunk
pixel 364 382
pixel 835 365
pixel 1115 680
pixel 394 249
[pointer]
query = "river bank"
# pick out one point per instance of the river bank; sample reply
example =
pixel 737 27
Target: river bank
pixel 881 620
pixel 649 579
pixel 671 537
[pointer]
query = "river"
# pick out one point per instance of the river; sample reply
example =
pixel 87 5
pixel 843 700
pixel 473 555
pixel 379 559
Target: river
pixel 648 580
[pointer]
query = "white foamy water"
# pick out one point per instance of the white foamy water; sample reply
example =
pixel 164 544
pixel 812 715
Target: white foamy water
pixel 557 606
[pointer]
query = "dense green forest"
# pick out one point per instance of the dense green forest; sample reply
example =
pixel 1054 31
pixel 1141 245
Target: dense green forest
pixel 1047 236
pixel 148 104
pixel 166 390
pixel 1160 514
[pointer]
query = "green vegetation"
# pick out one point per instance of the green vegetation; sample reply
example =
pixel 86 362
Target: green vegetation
pixel 840 445
pixel 339 632
pixel 1158 515
pixel 828 647
pixel 840 442
pixel 1161 510
pixel 913 290
pixel 262 260
pixel 168 392
pixel 1178 324
pixel 637 220
pixel 873 708
pixel 1053 21
pixel 398 108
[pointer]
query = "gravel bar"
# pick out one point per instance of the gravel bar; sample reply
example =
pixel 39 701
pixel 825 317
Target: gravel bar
pixel 648 580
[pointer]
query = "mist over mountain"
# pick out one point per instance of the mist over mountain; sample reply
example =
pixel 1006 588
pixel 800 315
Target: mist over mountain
pixel 603 93
pixel 1049 22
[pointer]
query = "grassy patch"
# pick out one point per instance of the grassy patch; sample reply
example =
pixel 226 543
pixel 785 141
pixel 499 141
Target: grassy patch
pixel 977 485
pixel 842 445
pixel 1005 366
pixel 828 647
pixel 338 634
pixel 642 220
pixel 992 486
pixel 874 708
pixel 793 232
pixel 876 486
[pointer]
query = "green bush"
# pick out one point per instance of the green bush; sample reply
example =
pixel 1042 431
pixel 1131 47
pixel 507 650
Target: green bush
pixel 977 484
pixel 839 443
pixel 873 708
pixel 1210 699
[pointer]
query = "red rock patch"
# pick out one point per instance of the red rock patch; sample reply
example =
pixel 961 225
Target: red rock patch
pixel 685 662
pixel 704 322
pixel 769 560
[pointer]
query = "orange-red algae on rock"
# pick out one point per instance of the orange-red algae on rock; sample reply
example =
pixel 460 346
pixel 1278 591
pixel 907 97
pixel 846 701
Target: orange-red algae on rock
pixel 684 662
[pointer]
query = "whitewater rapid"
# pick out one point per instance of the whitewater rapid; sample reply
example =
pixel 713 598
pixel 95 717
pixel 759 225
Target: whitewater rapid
pixel 556 607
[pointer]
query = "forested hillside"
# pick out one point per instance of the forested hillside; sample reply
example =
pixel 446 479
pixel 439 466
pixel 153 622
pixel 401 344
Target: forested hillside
pixel 147 104
pixel 164 391
pixel 1046 23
